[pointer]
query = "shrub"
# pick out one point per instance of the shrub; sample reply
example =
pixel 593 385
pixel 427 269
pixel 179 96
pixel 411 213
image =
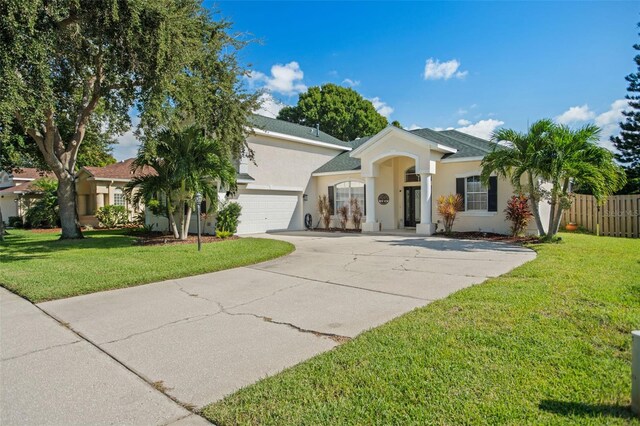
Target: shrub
pixel 448 207
pixel 324 210
pixel 519 213
pixel 223 234
pixel 15 222
pixel 343 214
pixel 227 219
pixel 356 213
pixel 43 212
pixel 112 216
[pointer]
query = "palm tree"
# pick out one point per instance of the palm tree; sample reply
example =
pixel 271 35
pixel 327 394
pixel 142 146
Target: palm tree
pixel 518 160
pixel 182 162
pixel 574 156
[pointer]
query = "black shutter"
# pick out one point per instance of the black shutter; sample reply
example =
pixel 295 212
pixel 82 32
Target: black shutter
pixel 493 194
pixel 331 200
pixel 364 208
pixel 460 186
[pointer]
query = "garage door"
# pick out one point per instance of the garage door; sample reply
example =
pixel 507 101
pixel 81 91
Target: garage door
pixel 262 212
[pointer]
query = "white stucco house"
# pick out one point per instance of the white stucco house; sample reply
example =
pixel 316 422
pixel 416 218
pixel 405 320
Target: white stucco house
pixel 396 174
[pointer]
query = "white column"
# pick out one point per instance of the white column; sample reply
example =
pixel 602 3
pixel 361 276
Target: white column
pixel 425 227
pixel 370 224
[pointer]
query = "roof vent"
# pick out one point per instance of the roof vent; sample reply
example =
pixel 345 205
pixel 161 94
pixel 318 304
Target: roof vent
pixel 318 129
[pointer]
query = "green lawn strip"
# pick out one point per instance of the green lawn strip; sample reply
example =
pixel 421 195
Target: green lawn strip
pixel 548 343
pixel 39 267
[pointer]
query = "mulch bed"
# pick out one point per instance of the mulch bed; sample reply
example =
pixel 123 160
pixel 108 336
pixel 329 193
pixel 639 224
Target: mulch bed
pixel 489 236
pixel 346 231
pixel 156 239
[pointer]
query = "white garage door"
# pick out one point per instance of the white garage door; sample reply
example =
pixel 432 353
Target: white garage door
pixel 262 212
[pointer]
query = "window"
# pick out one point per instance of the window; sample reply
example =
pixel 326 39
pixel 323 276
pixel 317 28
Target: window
pixel 476 196
pixel 345 191
pixel 411 176
pixel 118 197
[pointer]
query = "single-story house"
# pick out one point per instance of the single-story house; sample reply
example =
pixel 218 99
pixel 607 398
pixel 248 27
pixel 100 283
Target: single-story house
pixel 397 176
pixel 16 191
pixel 95 187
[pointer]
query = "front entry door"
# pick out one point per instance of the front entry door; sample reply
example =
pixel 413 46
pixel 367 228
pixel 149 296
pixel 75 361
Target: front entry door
pixel 411 206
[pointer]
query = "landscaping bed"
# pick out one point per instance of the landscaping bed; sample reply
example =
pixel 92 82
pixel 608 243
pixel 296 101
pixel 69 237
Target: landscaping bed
pixel 490 236
pixel 159 238
pixel 346 231
pixel 547 343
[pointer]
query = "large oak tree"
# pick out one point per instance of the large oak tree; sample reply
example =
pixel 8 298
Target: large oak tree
pixel 67 65
pixel 340 111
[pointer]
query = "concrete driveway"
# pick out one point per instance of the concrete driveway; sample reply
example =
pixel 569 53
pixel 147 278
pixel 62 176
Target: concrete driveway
pixel 201 338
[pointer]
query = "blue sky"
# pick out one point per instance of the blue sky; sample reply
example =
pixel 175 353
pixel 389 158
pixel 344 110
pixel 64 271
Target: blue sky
pixel 492 64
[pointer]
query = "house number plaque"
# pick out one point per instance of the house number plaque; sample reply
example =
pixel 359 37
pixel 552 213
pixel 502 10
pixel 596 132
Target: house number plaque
pixel 383 199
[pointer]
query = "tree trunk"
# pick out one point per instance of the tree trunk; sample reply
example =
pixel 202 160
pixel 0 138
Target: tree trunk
pixel 67 207
pixel 552 212
pixel 535 208
pixel 186 223
pixel 558 216
pixel 1 226
pixel 171 219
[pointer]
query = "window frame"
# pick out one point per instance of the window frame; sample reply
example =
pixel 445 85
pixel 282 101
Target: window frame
pixel 120 193
pixel 362 200
pixel 484 190
pixel 409 172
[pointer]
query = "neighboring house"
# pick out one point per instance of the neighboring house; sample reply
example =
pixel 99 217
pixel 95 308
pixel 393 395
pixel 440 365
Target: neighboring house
pixel 95 187
pixel 16 192
pixel 397 176
pixel 98 187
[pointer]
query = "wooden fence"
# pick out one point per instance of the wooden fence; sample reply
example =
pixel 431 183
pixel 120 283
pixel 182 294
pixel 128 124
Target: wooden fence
pixel 619 216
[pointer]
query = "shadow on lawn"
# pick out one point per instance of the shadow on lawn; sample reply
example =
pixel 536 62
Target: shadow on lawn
pixel 20 247
pixel 570 408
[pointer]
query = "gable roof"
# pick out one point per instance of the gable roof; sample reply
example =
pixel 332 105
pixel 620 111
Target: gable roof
pixel 120 170
pixel 468 147
pixel 292 129
pixel 344 161
pixel 29 173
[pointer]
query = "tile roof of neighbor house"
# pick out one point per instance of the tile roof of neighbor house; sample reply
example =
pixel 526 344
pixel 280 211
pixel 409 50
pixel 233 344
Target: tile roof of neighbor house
pixel 29 173
pixel 293 129
pixel 467 146
pixel 20 189
pixel 119 170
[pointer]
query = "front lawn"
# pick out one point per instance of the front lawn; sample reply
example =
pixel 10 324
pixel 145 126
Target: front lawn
pixel 40 267
pixel 548 343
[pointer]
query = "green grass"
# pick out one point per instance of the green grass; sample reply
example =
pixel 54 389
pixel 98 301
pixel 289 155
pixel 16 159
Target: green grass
pixel 39 267
pixel 548 343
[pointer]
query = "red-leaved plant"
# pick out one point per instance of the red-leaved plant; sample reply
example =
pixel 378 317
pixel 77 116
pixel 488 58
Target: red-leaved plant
pixel 518 211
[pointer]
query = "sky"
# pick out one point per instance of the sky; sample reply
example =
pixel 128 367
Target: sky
pixel 473 66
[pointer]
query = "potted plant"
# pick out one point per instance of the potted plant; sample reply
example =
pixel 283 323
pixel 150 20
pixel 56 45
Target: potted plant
pixel 571 227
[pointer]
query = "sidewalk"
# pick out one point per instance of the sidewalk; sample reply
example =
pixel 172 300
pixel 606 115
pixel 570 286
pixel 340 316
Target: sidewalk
pixel 49 375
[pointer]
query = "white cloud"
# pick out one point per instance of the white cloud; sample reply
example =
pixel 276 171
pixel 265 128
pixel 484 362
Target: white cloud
pixel 436 70
pixel 128 143
pixel 414 127
pixel 285 79
pixel 352 83
pixel 269 106
pixel 382 107
pixel 576 114
pixel 481 129
pixel 609 121
pixel 463 122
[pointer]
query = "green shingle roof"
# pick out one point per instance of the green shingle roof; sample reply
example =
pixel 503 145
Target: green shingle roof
pixel 343 162
pixel 292 129
pixel 467 146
